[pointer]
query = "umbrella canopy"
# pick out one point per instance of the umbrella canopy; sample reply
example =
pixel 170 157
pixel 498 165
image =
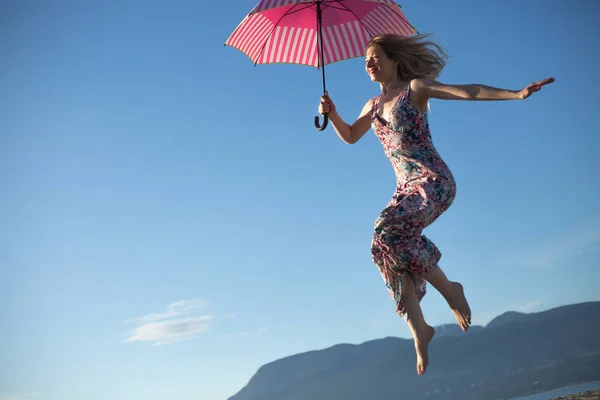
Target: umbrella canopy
pixel 315 32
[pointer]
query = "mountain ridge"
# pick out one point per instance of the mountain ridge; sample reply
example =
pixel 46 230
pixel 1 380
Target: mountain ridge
pixel 513 348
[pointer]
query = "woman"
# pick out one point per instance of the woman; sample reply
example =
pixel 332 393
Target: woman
pixel 406 69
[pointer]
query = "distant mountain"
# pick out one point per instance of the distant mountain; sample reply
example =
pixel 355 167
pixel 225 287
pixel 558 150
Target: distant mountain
pixel 454 330
pixel 507 318
pixel 514 355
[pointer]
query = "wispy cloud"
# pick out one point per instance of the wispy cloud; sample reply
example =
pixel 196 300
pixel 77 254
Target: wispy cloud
pixel 235 335
pixel 263 330
pixel 580 240
pixel 166 332
pixel 176 309
pixel 377 325
pixel 532 306
pixel 174 324
pixel 25 396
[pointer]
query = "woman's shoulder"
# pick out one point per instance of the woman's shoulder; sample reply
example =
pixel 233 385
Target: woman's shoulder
pixel 419 92
pixel 368 107
pixel 419 84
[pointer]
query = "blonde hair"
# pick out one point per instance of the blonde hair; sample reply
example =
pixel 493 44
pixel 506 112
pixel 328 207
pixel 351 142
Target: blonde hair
pixel 417 58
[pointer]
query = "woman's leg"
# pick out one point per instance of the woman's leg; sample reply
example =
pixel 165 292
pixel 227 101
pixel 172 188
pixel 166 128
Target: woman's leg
pixel 401 252
pixel 454 294
pixel 421 331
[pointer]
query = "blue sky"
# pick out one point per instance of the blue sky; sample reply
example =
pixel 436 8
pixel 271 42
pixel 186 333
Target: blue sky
pixel 171 220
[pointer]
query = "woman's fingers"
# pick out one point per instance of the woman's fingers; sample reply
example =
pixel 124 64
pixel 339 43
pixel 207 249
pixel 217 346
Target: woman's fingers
pixel 326 104
pixel 543 82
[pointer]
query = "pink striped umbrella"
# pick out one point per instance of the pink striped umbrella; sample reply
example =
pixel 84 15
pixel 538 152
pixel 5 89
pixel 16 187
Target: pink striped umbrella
pixel 315 32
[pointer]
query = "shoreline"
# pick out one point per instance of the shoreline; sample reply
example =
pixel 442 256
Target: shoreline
pixel 593 394
pixel 583 392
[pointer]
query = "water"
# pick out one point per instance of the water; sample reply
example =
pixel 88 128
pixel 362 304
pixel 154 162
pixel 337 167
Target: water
pixel 562 391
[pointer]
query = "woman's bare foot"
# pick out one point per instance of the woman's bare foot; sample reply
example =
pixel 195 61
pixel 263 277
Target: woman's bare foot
pixel 460 307
pixel 422 347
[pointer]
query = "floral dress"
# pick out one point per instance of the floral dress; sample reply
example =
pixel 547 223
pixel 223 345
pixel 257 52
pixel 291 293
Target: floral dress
pixel 425 189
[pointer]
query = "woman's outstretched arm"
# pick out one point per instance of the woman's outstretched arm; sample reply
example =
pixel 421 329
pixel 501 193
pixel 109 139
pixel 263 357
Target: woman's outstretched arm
pixel 430 89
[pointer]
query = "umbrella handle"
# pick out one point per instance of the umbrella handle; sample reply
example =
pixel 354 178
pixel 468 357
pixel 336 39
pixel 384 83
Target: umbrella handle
pixel 318 124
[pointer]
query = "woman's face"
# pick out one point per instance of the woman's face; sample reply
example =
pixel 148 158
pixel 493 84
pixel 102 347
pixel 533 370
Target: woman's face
pixel 379 67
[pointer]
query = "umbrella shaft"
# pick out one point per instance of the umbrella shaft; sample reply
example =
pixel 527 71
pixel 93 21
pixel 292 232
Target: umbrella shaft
pixel 320 33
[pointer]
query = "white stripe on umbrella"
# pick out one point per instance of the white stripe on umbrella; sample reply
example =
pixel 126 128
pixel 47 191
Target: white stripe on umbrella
pixel 255 44
pixel 389 16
